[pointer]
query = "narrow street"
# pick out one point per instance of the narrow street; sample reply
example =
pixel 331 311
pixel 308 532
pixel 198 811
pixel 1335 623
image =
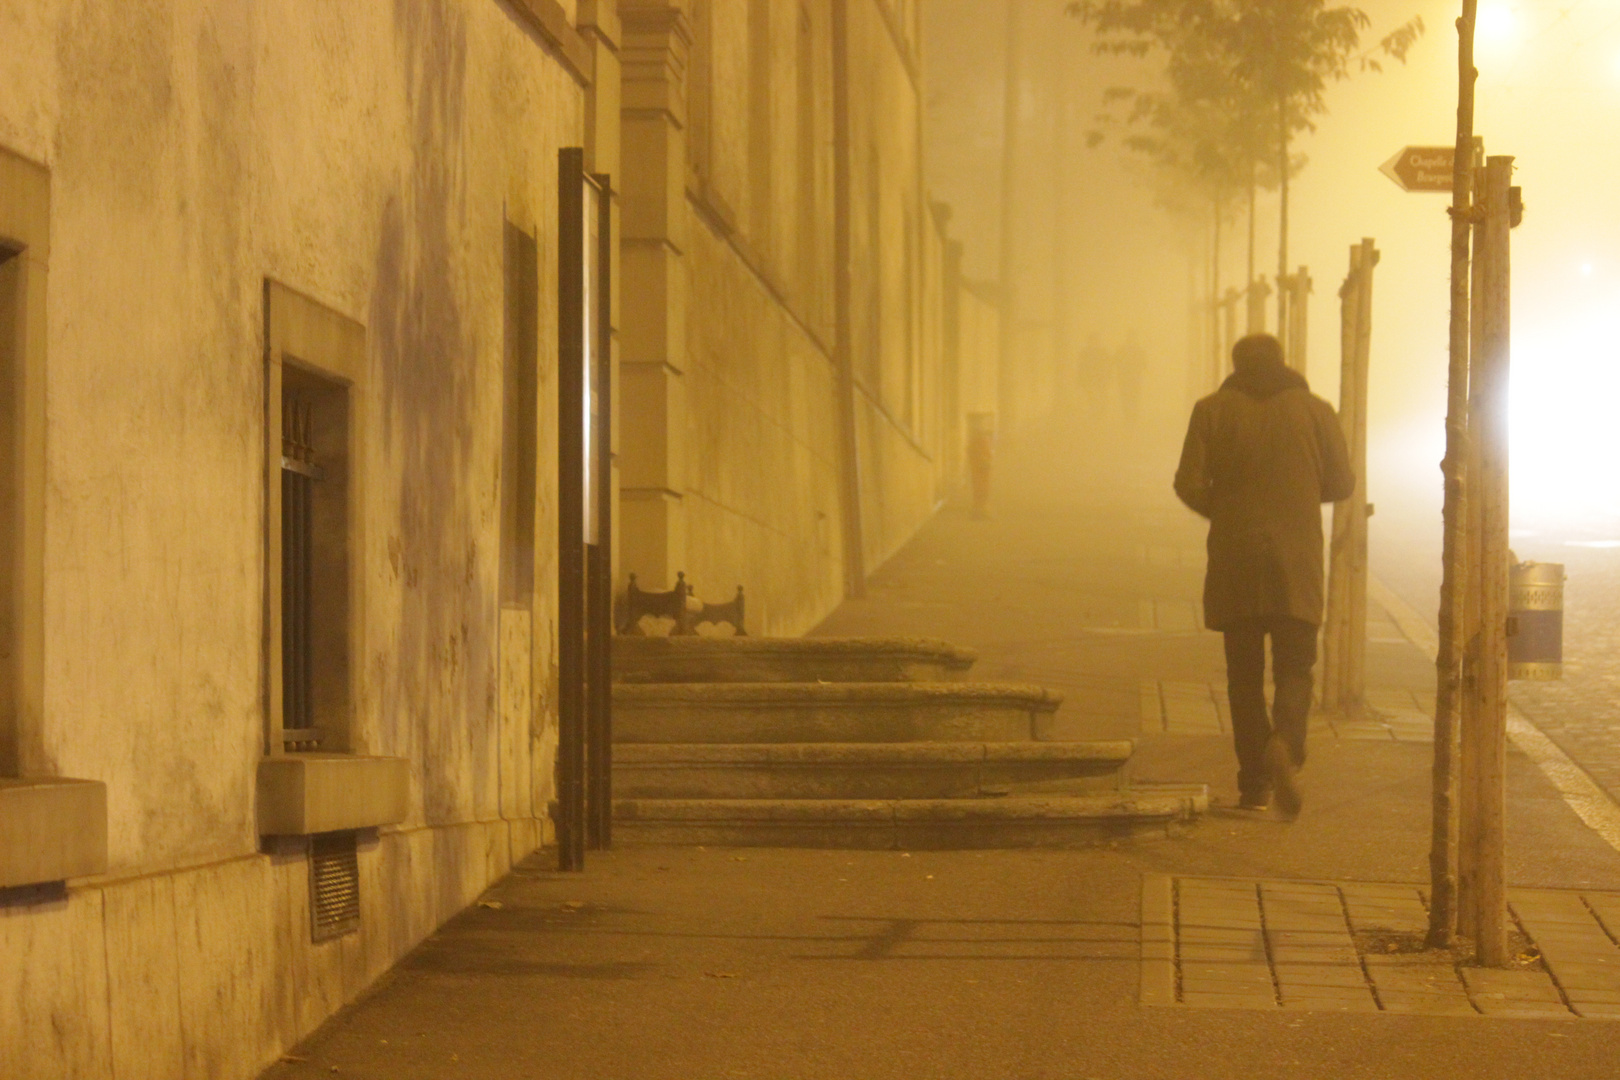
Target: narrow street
pixel 765 963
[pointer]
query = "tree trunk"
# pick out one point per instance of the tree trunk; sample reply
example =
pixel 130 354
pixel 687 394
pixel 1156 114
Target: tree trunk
pixel 1282 212
pixel 1009 380
pixel 1215 299
pixel 1448 661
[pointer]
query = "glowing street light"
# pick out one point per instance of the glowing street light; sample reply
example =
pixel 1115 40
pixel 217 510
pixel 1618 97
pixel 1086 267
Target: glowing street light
pixel 1496 25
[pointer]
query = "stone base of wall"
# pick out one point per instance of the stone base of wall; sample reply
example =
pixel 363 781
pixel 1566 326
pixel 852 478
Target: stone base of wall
pixel 210 971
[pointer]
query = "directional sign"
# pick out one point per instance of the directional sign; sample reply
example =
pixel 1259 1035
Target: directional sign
pixel 1421 168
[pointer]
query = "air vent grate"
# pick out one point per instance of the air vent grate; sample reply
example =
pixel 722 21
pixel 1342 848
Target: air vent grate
pixel 334 886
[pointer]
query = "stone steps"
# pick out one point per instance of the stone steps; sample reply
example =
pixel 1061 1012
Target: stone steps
pixel 1014 821
pixel 909 770
pixel 792 660
pixel 870 712
pixel 857 743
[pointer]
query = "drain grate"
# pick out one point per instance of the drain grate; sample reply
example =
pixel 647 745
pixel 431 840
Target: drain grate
pixel 334 886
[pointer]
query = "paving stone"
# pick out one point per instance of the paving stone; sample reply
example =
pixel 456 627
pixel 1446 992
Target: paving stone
pixel 1348 974
pixel 1306 937
pixel 1531 1011
pixel 1415 974
pixel 1606 906
pixel 1427 1004
pixel 1210 934
pixel 1348 1003
pixel 1309 952
pixel 1228 1001
pixel 1198 971
pixel 1222 953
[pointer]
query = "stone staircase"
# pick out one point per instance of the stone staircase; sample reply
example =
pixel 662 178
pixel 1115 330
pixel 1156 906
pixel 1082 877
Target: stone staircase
pixel 856 743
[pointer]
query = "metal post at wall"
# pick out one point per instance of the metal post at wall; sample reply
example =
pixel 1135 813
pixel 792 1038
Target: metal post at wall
pixel 572 623
pixel 849 457
pixel 599 557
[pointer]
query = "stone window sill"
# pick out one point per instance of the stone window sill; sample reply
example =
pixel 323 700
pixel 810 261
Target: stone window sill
pixel 51 829
pixel 304 794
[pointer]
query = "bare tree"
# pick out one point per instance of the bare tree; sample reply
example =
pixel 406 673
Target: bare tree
pixel 1242 76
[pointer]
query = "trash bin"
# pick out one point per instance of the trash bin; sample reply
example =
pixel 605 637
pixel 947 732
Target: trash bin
pixel 1536 621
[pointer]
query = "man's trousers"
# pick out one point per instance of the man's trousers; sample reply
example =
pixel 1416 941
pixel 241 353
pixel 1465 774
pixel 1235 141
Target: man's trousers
pixel 1293 654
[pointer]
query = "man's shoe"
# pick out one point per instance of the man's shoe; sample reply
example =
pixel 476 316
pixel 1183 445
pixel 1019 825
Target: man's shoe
pixel 1258 801
pixel 1283 785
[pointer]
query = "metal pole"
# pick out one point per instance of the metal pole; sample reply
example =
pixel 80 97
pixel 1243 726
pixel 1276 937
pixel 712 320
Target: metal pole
pixel 1448 660
pixel 571 605
pixel 854 550
pixel 599 616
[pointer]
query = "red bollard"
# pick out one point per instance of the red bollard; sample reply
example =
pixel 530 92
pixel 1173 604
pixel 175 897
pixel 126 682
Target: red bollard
pixel 981 453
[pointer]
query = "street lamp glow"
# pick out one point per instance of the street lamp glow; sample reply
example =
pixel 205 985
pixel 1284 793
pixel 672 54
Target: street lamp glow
pixel 1495 23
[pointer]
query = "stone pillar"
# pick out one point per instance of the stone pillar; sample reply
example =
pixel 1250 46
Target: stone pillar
pixel 654 50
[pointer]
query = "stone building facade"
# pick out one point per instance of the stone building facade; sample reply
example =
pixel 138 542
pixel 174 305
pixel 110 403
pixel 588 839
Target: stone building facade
pixel 774 206
pixel 278 303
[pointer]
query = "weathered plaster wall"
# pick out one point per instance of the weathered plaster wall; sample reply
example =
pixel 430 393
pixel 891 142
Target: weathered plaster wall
pixel 366 155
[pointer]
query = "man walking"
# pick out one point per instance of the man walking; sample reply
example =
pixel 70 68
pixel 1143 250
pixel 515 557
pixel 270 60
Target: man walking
pixel 1262 454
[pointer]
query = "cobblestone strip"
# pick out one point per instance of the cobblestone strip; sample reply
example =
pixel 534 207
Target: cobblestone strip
pixel 1583 959
pixel 1312 952
pixel 1515 995
pixel 1392 920
pixel 1356 947
pixel 1221 947
pixel 1158 940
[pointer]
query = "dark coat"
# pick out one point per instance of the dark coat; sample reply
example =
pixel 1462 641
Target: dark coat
pixel 1262 454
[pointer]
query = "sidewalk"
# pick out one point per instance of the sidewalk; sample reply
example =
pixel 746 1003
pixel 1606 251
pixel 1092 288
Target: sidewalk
pixel 692 963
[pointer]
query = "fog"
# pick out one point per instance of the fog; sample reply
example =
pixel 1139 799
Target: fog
pixel 1099 263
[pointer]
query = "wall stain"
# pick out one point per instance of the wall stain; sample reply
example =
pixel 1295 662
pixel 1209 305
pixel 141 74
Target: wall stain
pixel 434 694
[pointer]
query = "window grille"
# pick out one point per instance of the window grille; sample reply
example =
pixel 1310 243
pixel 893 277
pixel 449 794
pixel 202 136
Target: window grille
pixel 334 886
pixel 299 474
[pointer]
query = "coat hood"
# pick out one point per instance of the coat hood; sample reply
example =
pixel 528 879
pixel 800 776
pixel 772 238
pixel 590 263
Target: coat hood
pixel 1262 379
